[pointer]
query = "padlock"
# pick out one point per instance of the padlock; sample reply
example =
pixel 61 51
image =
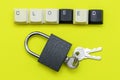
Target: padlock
pixel 54 53
pixel 56 50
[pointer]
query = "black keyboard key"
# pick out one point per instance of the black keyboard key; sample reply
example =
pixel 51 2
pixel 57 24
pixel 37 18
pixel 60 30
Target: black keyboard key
pixel 66 16
pixel 95 16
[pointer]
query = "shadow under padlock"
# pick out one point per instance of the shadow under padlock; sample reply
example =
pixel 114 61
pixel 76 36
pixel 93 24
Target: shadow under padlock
pixel 54 53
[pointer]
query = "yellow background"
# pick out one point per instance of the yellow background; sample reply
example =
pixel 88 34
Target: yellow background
pixel 17 64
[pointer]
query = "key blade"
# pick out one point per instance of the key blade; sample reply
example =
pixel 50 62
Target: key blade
pixel 95 49
pixel 94 57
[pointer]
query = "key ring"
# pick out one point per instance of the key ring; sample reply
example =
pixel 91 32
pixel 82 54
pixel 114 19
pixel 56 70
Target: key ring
pixel 27 39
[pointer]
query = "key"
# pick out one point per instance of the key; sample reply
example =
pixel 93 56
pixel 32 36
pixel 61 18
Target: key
pixel 21 15
pixel 51 16
pixel 80 16
pixel 66 16
pixel 79 54
pixel 82 53
pixel 95 16
pixel 36 16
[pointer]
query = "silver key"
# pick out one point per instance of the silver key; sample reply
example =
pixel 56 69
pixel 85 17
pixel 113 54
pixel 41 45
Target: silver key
pixel 79 54
pixel 82 53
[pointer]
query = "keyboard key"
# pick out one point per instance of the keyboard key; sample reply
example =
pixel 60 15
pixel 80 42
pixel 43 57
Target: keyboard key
pixel 66 16
pixel 21 15
pixel 36 16
pixel 52 16
pixel 80 16
pixel 58 16
pixel 95 16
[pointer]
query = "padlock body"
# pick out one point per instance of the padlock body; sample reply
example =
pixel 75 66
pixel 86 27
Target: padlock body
pixel 54 52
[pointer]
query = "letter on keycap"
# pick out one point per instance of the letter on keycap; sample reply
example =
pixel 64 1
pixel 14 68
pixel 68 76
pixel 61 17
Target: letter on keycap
pixel 21 15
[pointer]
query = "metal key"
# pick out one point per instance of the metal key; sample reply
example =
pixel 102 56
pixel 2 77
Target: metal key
pixel 82 53
pixel 79 54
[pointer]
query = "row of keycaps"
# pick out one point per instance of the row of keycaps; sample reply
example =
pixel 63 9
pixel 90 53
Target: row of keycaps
pixel 56 16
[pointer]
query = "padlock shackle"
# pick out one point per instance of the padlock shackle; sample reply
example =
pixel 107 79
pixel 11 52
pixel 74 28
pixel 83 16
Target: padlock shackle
pixel 27 39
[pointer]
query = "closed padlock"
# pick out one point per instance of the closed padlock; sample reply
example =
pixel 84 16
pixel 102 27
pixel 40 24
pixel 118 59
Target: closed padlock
pixel 54 53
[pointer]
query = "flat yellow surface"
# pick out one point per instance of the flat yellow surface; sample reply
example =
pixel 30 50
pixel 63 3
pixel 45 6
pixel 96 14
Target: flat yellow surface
pixel 17 64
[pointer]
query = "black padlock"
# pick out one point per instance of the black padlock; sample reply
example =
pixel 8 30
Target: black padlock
pixel 54 52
